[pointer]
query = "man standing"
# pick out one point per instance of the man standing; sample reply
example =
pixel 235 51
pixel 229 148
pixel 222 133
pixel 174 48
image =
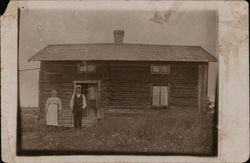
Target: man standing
pixel 77 104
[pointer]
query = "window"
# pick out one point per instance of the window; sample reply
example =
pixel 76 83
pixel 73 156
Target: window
pixel 160 69
pixel 86 68
pixel 160 96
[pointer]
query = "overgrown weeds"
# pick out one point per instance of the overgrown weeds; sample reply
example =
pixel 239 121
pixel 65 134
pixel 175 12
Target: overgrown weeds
pixel 165 131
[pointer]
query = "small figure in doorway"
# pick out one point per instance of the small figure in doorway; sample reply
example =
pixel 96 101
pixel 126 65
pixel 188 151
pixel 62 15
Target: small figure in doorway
pixel 53 104
pixel 77 104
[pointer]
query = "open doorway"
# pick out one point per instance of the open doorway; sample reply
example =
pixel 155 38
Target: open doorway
pixel 90 89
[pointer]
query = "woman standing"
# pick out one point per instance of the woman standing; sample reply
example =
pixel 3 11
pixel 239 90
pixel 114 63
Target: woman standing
pixel 53 104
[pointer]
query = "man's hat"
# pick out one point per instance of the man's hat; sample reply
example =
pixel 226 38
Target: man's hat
pixel 78 86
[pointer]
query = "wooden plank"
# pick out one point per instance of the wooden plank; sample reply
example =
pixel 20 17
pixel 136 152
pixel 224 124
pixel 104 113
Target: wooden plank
pixel 205 88
pixel 202 87
pixel 127 84
pixel 41 88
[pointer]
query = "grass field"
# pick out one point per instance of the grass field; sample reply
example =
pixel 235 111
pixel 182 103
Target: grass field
pixel 163 131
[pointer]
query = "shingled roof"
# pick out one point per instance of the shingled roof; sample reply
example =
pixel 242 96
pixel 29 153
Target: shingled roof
pixel 123 52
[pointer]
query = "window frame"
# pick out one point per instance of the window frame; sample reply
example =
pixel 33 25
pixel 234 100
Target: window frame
pixel 86 72
pixel 160 69
pixel 168 95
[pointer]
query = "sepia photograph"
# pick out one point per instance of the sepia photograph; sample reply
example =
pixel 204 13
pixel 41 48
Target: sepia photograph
pixel 127 81
pixel 106 82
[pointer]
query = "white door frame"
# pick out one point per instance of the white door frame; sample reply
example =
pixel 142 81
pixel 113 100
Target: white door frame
pixel 98 82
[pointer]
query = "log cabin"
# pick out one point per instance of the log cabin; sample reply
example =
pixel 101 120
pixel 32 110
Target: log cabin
pixel 120 77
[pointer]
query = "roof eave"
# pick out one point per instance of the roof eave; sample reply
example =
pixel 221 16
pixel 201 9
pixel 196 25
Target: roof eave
pixel 38 57
pixel 212 58
pixel 33 58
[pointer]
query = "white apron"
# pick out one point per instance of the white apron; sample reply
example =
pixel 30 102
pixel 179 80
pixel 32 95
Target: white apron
pixel 54 104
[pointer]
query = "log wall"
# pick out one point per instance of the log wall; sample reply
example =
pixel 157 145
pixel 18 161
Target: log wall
pixel 124 85
pixel 60 76
pixel 131 85
pixel 183 88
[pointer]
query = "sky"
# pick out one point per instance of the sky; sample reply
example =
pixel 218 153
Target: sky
pixel 41 27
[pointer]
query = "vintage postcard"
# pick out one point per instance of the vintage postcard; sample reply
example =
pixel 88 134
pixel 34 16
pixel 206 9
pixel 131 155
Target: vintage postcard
pixel 126 81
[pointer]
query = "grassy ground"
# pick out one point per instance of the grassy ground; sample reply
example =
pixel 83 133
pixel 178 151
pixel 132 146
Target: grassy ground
pixel 168 131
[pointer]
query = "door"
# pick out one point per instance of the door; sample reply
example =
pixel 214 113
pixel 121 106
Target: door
pixel 92 99
pixel 90 91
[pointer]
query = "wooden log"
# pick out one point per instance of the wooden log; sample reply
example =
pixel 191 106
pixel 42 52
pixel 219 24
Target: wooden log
pixel 202 87
pixel 127 84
